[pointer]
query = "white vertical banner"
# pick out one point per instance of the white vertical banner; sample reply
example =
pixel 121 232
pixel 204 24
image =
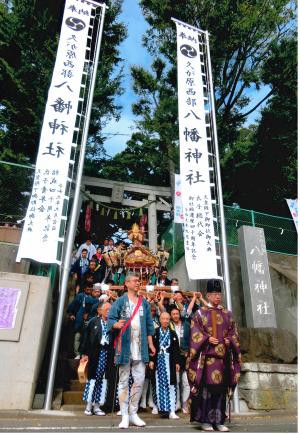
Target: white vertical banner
pixel 44 214
pixel 199 235
pixel 293 206
pixel 178 210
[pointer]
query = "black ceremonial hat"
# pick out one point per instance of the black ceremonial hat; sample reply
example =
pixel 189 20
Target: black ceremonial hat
pixel 213 286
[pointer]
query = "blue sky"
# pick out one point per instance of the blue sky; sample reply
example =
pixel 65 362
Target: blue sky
pixel 134 53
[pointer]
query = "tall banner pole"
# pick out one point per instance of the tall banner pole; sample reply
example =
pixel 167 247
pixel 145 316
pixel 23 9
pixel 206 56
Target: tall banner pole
pixel 221 205
pixel 200 238
pixel 219 183
pixel 72 226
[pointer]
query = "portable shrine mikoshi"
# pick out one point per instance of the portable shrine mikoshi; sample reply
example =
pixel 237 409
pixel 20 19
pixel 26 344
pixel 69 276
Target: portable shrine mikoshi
pixel 137 258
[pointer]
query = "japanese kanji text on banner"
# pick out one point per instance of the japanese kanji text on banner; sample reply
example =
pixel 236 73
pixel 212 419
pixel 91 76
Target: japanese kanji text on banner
pixel 42 223
pixel 199 235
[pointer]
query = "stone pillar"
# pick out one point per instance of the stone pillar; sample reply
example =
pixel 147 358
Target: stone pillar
pixel 258 296
pixel 152 223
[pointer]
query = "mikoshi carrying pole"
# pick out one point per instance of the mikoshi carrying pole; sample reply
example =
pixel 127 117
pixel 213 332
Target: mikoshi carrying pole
pixel 221 206
pixel 72 225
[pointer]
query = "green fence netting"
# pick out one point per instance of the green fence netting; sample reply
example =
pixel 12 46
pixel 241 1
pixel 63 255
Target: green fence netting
pixel 280 232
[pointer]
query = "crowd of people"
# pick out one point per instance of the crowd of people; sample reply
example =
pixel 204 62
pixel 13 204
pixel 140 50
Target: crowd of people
pixel 166 352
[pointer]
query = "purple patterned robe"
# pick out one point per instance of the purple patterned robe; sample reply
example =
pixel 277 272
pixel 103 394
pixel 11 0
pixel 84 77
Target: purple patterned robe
pixel 212 369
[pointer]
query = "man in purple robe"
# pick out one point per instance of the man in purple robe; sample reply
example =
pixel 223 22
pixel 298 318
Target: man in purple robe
pixel 214 361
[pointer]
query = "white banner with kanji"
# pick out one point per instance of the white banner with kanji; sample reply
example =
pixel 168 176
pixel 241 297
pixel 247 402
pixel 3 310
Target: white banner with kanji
pixel 293 206
pixel 199 235
pixel 44 214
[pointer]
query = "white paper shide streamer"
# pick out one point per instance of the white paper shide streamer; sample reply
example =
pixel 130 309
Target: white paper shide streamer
pixel 199 236
pixel 44 214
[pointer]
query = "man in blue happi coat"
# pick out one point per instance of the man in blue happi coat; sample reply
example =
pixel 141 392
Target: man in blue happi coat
pixel 131 315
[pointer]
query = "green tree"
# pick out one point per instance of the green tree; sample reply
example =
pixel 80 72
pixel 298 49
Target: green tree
pixel 276 137
pixel 152 152
pixel 27 53
pixel 29 32
pixel 242 33
pixel 260 169
pixel 109 77
pixel 140 162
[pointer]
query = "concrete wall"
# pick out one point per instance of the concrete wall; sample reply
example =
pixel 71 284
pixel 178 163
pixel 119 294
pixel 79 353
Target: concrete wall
pixel 269 386
pixel 283 278
pixel 21 360
pixel 8 257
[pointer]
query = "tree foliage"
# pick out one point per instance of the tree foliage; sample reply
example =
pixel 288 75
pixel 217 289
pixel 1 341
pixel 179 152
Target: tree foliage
pixel 242 33
pixel 29 33
pixel 140 162
pixel 151 153
pixel 246 38
pixel 260 169
pixel 109 77
pixel 27 53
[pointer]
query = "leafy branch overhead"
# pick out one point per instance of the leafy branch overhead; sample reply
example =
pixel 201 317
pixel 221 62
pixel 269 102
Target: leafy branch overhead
pixel 29 32
pixel 243 39
pixel 241 34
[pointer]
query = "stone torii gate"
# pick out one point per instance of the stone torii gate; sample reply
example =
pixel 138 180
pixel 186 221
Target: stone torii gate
pixel 152 197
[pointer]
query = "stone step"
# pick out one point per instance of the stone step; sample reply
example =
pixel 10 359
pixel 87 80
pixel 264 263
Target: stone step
pixel 72 398
pixel 75 385
pixel 75 408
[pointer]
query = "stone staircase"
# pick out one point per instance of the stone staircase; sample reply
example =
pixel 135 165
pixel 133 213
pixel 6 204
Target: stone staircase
pixel 72 395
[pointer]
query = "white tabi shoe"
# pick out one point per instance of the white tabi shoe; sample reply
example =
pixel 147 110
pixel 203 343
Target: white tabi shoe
pixel 151 403
pixel 154 410
pixel 119 413
pixel 125 422
pixel 173 416
pixel 136 420
pixel 222 428
pixel 98 411
pixel 207 427
pixel 88 412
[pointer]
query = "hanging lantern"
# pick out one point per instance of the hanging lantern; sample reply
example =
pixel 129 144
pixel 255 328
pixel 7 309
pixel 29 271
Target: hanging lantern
pixel 97 207
pixel 140 212
pixel 128 215
pixel 102 211
pixel 115 215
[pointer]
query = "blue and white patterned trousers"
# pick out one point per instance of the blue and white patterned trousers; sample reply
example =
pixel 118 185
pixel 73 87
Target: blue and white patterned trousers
pixel 95 389
pixel 165 393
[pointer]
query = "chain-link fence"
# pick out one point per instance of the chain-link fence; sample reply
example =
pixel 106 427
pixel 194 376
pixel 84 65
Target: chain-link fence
pixel 281 235
pixel 280 232
pixel 15 189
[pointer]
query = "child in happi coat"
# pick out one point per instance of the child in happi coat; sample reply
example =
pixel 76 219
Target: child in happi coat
pixel 165 364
